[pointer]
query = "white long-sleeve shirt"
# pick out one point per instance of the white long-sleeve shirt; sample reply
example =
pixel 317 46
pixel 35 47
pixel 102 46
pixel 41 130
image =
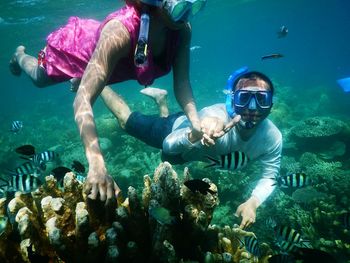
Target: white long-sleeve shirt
pixel 265 145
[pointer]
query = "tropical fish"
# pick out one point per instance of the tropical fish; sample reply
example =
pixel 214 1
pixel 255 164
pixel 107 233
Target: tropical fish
pixel 282 32
pixel 16 126
pixel 60 172
pixel 293 180
pixel 27 149
pixel 78 167
pixel 199 185
pixel 24 183
pixel 231 161
pixel 272 56
pixel 252 245
pixel 286 246
pixel 290 235
pixel 3 224
pixel 162 215
pixel 27 168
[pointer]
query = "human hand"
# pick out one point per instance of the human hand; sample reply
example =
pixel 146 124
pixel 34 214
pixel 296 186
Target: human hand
pixel 100 184
pixel 212 128
pixel 247 211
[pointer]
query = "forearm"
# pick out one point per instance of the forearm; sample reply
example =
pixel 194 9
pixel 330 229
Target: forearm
pixel 184 97
pixel 87 130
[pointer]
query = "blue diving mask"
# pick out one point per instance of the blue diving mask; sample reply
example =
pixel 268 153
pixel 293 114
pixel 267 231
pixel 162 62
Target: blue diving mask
pixel 242 99
pixel 183 10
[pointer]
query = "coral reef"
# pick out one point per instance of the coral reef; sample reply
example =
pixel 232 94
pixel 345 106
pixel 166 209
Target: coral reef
pixel 61 225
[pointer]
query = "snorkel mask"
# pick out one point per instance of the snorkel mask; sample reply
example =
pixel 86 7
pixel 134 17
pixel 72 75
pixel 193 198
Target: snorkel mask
pixel 183 10
pixel 178 10
pixel 240 100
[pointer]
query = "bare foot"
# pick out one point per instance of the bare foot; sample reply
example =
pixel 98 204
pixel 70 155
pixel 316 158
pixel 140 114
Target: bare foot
pixel 159 95
pixel 74 84
pixel 13 65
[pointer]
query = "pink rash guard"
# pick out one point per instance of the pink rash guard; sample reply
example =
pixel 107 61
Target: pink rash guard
pixel 70 48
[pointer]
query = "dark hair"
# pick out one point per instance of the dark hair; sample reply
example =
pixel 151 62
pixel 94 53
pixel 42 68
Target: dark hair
pixel 253 76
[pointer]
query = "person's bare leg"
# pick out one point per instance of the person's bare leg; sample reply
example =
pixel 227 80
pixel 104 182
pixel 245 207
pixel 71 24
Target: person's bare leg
pixel 160 97
pixel 116 105
pixel 29 64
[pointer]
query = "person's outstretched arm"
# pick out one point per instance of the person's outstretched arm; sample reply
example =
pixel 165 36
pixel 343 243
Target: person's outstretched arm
pixel 182 86
pixel 113 44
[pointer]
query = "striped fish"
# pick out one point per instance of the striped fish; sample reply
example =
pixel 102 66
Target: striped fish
pixel 286 246
pixel 252 245
pixel 24 183
pixel 290 235
pixel 16 126
pixel 231 161
pixel 26 168
pixel 46 156
pixel 293 180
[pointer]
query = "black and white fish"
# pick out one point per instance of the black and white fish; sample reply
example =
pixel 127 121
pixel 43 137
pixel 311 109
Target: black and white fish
pixel 16 126
pixel 290 235
pixel 197 185
pixel 24 183
pixel 293 180
pixel 252 245
pixel 282 32
pixel 27 168
pixel 230 161
pixel 286 247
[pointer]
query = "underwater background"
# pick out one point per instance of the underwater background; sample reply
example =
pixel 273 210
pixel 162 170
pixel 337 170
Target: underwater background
pixel 228 34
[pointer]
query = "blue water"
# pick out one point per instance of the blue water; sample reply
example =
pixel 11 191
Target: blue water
pixel 230 33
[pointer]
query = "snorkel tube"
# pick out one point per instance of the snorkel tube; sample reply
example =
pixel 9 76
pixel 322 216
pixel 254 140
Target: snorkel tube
pixel 229 90
pixel 140 56
pixel 141 50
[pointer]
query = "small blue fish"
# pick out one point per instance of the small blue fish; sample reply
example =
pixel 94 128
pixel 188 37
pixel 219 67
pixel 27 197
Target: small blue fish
pixel 231 161
pixel 16 126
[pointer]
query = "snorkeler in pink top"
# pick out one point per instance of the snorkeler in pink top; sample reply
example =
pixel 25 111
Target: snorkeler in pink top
pixel 143 41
